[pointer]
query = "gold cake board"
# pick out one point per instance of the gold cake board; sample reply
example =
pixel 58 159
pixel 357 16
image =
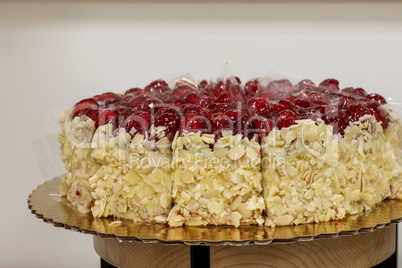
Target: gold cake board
pixel 363 250
pixel 356 241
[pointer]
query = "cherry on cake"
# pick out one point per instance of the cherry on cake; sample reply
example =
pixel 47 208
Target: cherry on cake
pixel 223 153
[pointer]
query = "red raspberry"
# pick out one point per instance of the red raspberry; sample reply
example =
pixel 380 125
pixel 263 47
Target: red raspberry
pixel 277 107
pixel 203 84
pixel 157 86
pixel 376 97
pixel 379 114
pixel 285 119
pixel 170 110
pixel 190 108
pixel 263 126
pixel 337 119
pixel 224 97
pixel 346 101
pixel 137 101
pixel 316 97
pixel 93 113
pixel 306 82
pixel 252 87
pixel 141 121
pixel 81 106
pixel 222 107
pixel 205 100
pixel 182 91
pixel 192 98
pixel 132 91
pixel 372 106
pixel 218 88
pixel 302 104
pixel 356 92
pixel 233 114
pixel 195 123
pixel 107 116
pixel 220 122
pixel 356 111
pixel 236 117
pixel 151 105
pixel 107 97
pixel 330 84
pixel 204 112
pixel 258 107
pixel 169 120
pixel 308 114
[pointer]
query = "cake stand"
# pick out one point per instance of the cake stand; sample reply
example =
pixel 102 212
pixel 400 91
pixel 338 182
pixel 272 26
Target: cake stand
pixel 356 241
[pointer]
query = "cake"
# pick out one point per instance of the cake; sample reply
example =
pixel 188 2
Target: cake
pixel 223 153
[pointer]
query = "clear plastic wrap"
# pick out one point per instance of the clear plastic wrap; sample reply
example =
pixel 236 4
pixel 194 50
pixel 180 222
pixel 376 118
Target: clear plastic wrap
pixel 133 173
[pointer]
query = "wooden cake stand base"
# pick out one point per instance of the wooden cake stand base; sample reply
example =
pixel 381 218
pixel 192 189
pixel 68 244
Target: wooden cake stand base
pixel 362 250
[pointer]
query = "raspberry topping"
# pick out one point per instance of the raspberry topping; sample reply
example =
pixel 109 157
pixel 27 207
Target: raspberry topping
pixel 213 107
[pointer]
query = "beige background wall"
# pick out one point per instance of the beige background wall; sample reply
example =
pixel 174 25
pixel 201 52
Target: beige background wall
pixel 55 53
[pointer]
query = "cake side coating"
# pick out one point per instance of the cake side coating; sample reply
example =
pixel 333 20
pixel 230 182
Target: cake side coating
pixel 219 185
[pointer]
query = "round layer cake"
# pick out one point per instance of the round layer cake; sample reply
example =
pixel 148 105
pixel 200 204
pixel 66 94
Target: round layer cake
pixel 224 153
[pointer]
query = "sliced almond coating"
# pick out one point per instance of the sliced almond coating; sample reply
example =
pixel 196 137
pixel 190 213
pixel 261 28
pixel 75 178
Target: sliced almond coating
pixel 188 176
pixel 290 136
pixel 215 207
pixel 235 217
pixel 237 178
pixel 283 220
pixel 236 202
pixel 221 152
pixel 236 153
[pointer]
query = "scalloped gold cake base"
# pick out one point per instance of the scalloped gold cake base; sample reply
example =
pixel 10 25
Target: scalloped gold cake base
pixel 363 250
pixel 46 203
